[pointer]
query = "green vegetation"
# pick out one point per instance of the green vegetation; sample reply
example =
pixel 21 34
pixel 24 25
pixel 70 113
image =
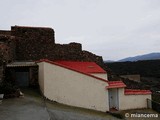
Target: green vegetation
pixel 149 70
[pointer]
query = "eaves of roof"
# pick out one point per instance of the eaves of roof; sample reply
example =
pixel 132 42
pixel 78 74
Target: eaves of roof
pixel 136 92
pixel 115 84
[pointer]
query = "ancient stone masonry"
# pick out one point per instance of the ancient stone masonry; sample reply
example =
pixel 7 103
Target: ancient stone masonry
pixel 32 43
pixel 35 43
pixel 5 32
pixel 7 48
pixel 7 51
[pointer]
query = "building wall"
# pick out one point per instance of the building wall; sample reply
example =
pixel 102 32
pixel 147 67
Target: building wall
pixel 41 76
pixel 32 42
pixel 7 51
pixel 5 32
pixel 101 75
pixel 132 77
pixel 1 73
pixel 7 48
pixel 73 88
pixel 132 101
pixel 43 45
pixel 3 57
pixel 35 43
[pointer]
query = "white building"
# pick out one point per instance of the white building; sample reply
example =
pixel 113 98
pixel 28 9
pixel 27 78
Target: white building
pixel 85 84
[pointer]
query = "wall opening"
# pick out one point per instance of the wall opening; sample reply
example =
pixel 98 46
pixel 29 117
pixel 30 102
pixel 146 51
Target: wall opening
pixel 23 76
pixel 113 99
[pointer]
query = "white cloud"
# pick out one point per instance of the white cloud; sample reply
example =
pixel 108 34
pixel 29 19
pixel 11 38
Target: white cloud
pixel 111 28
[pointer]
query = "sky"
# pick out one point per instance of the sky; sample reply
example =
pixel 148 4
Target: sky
pixel 113 29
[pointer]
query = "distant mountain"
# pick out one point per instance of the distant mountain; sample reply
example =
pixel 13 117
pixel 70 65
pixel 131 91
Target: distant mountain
pixel 150 56
pixel 109 61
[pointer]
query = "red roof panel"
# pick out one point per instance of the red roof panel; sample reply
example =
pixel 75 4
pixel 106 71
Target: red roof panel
pixel 115 84
pixel 67 67
pixel 136 92
pixel 87 67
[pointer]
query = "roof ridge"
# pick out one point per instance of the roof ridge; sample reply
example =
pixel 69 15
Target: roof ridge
pixel 83 66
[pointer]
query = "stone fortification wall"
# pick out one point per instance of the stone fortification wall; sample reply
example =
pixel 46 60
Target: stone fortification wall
pixel 34 43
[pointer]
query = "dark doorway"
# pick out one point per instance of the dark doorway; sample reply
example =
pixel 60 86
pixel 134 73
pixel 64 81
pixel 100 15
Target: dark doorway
pixel 22 77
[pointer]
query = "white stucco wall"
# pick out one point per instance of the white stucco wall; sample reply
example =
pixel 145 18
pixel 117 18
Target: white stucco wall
pixel 132 101
pixel 72 88
pixel 101 75
pixel 41 76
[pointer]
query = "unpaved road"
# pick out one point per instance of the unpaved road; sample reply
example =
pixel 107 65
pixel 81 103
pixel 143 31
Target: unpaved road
pixel 33 107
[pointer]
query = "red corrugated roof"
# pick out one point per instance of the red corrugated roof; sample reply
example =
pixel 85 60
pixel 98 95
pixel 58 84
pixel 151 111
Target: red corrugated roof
pixel 115 84
pixel 70 68
pixel 136 92
pixel 87 67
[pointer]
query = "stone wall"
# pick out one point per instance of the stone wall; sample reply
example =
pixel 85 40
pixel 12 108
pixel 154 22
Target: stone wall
pixel 5 32
pixel 135 77
pixel 7 51
pixel 7 48
pixel 34 43
pixel 1 73
pixel 39 43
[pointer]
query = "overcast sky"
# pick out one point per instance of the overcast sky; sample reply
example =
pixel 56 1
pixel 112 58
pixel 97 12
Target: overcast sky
pixel 113 29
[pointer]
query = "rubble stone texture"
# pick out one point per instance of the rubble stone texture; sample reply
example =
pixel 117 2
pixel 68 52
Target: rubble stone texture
pixel 35 43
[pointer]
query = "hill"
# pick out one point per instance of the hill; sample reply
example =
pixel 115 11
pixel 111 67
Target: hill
pixel 146 68
pixel 149 70
pixel 150 56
